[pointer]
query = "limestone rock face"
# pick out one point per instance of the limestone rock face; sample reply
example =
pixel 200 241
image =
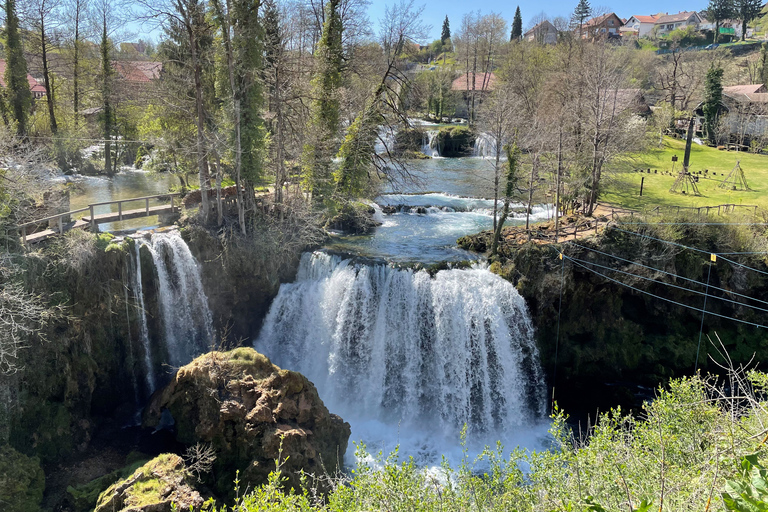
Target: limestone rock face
pixel 245 407
pixel 155 487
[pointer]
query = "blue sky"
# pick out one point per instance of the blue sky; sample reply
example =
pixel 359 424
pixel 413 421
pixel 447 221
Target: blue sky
pixel 435 10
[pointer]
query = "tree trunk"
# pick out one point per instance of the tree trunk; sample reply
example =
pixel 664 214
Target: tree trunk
pixel 76 67
pixel 225 28
pixel 498 226
pixel 534 172
pixel 47 78
pixel 200 138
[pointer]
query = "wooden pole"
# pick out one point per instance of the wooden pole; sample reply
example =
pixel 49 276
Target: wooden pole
pixel 642 182
pixel 94 229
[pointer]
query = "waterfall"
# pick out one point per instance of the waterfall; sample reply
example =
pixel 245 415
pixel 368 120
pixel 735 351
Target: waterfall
pixel 399 345
pixel 138 292
pixel 183 305
pixel 429 143
pixel 485 145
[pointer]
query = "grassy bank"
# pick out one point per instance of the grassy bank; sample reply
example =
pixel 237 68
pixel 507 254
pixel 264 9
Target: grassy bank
pixel 623 187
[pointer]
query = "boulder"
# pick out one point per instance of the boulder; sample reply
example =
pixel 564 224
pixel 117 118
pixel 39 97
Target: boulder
pixel 22 481
pixel 161 485
pixel 252 413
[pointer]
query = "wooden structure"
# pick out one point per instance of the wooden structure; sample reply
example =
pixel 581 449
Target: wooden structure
pixel 92 220
pixel 685 183
pixel 736 180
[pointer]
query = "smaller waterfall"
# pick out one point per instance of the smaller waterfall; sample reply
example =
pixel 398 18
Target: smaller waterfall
pixel 138 292
pixel 429 143
pixel 485 145
pixel 183 304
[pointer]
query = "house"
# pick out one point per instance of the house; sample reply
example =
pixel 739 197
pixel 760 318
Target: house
pixel 602 27
pixel 743 115
pixel 669 22
pixel 134 77
pixel 639 25
pixel 736 90
pixel 544 33
pixel 38 91
pixel 481 84
pixel 484 82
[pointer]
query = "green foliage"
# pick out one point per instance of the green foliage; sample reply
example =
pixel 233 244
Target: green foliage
pixel 719 10
pixel 677 457
pixel 19 95
pixel 749 492
pixel 21 481
pixel 84 497
pixel 326 106
pixel 517 26
pixel 746 11
pixel 353 175
pixel 713 96
pixel 455 140
pixel 248 48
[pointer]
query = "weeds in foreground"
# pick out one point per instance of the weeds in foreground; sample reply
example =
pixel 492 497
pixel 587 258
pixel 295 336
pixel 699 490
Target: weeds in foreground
pixel 700 445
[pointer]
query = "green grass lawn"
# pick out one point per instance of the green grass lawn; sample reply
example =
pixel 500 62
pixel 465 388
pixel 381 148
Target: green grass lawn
pixel 622 187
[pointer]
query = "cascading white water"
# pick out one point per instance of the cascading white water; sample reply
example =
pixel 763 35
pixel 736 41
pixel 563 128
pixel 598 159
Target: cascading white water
pixel 138 291
pixel 183 304
pixel 398 345
pixel 485 145
pixel 429 143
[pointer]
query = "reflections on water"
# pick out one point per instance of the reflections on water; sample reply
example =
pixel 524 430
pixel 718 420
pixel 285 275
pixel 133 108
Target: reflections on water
pixel 126 184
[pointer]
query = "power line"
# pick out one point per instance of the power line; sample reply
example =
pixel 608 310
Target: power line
pixel 694 223
pixel 742 265
pixel 701 327
pixel 670 274
pixel 670 284
pixel 759 326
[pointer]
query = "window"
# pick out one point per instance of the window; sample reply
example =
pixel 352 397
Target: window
pixel 610 23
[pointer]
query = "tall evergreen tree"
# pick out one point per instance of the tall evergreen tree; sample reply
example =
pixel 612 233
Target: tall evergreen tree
pixel 713 95
pixel 517 26
pixel 747 10
pixel 326 106
pixel 719 10
pixel 446 33
pixel 764 64
pixel 581 14
pixel 18 93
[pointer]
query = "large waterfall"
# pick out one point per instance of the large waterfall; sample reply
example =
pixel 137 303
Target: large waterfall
pixel 402 347
pixel 187 328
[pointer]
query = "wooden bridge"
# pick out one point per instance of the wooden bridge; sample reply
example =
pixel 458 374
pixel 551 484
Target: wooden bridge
pixel 92 220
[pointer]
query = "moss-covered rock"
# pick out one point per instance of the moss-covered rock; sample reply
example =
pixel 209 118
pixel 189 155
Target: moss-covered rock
pixel 161 485
pixel 22 481
pixel 456 141
pixel 408 141
pixel 83 498
pixel 252 413
pixel 354 218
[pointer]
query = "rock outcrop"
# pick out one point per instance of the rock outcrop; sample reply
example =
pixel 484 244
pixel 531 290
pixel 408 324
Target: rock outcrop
pixel 251 413
pixel 157 486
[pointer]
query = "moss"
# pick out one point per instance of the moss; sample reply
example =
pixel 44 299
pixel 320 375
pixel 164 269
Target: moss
pixel 103 240
pixel 84 497
pixel 22 481
pixel 455 140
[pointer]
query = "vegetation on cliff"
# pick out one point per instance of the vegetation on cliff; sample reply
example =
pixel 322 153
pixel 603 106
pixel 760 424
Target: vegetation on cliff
pixel 631 302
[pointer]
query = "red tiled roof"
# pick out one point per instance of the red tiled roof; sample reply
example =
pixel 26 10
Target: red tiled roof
pixel 34 86
pixel 464 82
pixel 744 89
pixel 645 19
pixel 674 18
pixel 137 70
pixel 599 19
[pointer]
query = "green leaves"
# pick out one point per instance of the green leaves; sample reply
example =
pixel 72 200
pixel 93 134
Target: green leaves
pixel 750 492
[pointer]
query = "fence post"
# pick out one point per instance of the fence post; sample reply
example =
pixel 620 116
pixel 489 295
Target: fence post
pixel 94 229
pixel 171 204
pixel 61 224
pixel 119 210
pixel 147 207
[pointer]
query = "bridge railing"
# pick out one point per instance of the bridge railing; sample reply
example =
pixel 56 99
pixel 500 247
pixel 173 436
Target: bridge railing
pixel 59 217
